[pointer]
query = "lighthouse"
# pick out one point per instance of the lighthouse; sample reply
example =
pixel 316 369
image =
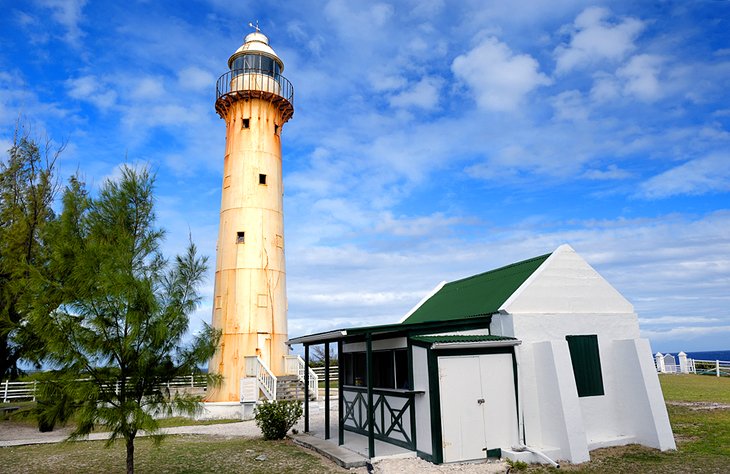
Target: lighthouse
pixel 250 306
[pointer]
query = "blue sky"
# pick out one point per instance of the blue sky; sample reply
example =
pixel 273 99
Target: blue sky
pixel 431 139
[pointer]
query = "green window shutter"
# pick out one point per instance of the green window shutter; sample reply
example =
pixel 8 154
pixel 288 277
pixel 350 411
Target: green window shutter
pixel 586 365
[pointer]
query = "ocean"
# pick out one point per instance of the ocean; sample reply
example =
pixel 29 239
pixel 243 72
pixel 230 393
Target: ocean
pixel 707 355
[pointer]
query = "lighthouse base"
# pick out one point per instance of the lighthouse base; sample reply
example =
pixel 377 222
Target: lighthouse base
pixel 227 411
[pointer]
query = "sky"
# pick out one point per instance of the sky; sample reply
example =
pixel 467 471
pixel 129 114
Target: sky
pixel 431 139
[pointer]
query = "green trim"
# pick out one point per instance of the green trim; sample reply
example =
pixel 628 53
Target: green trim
pixel 411 386
pixel 369 372
pixel 385 439
pixel 459 338
pixel 586 361
pixel 306 388
pixel 494 453
pixel 326 390
pixel 340 397
pixel 424 456
pixel 435 398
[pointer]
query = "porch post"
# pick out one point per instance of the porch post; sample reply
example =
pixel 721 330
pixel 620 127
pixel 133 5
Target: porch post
pixel 306 388
pixel 326 390
pixel 369 374
pixel 340 398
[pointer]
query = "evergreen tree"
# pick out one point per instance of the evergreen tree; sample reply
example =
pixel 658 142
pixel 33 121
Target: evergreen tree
pixel 115 314
pixel 27 190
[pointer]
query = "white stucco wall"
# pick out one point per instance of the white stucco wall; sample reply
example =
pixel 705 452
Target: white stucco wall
pixel 566 296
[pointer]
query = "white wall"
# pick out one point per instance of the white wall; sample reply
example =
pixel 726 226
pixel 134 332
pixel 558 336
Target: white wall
pixel 640 401
pixel 555 423
pixel 423 401
pixel 378 345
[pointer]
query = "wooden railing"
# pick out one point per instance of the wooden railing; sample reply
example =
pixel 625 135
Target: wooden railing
pixel 265 379
pixel 393 414
pixel 28 390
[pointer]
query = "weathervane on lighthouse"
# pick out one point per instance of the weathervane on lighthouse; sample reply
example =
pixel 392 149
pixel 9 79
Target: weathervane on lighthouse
pixel 249 303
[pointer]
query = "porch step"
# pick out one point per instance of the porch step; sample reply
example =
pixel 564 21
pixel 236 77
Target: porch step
pixel 289 387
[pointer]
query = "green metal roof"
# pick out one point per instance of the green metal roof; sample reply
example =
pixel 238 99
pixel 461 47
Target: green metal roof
pixel 478 295
pixel 461 338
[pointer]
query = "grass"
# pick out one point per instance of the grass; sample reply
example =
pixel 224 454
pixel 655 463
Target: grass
pixel 702 433
pixel 177 454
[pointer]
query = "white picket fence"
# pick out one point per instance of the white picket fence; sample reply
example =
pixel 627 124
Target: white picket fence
pixel 12 391
pixel 334 373
pixel 667 364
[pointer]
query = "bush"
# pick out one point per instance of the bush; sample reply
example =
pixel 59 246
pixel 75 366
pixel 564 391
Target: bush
pixel 275 418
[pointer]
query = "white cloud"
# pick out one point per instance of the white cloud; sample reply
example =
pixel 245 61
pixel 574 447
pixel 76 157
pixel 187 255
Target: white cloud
pixel 683 333
pixel 612 172
pixel 570 105
pixel 68 13
pixel 424 94
pixel 641 76
pixel 148 88
pixel 595 39
pixel 605 88
pixel 674 320
pixel 498 78
pixel 92 89
pixel 195 78
pixel 709 174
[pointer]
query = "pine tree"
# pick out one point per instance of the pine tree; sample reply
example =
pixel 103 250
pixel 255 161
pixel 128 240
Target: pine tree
pixel 115 314
pixel 27 190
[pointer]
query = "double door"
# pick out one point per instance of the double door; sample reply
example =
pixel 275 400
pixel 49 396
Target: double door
pixel 478 405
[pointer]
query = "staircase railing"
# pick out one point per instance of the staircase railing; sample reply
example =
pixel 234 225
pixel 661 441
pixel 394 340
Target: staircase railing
pixel 265 379
pixel 294 365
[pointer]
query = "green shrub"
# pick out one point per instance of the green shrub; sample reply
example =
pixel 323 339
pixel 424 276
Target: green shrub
pixel 517 465
pixel 275 418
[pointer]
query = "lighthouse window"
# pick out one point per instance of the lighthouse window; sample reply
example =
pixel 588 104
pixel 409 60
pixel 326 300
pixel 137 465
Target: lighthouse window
pixel 240 237
pixel 246 123
pixel 276 129
pixel 262 179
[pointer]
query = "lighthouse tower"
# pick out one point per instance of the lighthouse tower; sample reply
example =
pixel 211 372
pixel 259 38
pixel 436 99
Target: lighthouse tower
pixel 250 305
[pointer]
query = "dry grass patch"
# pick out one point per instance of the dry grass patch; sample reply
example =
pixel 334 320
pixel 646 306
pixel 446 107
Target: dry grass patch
pixel 177 454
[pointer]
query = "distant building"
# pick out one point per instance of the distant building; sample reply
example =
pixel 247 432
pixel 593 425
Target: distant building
pixel 537 360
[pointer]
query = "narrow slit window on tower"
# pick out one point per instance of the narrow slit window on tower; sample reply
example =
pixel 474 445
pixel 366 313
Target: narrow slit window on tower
pixel 262 178
pixel 246 123
pixel 276 129
pixel 240 237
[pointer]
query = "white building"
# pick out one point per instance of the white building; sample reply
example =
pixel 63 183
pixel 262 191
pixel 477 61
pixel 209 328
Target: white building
pixel 543 354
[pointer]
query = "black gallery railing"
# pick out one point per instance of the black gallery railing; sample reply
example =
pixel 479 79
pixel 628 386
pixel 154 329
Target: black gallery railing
pixel 254 80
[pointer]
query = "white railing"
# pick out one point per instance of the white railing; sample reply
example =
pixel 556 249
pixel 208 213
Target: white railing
pixel 334 372
pixel 313 379
pixel 19 390
pixel 28 390
pixel 266 380
pixel 666 364
pixel 294 365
